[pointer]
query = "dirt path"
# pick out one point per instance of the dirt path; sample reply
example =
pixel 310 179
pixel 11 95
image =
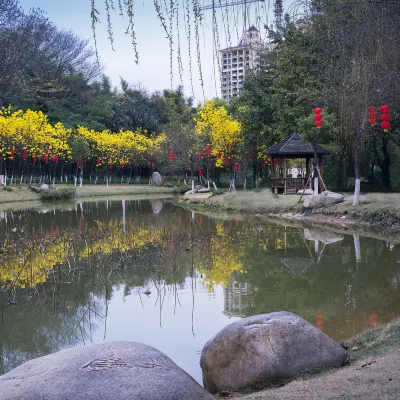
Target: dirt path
pixel 23 194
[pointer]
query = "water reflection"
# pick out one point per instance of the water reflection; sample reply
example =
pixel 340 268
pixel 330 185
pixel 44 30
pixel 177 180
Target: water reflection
pixel 151 272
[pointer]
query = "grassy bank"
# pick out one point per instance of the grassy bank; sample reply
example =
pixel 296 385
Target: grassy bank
pixel 377 215
pixel 23 194
pixel 371 373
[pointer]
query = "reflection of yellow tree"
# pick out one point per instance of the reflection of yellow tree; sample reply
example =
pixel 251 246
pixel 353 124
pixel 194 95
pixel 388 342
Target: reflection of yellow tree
pixel 115 239
pixel 29 266
pixel 225 255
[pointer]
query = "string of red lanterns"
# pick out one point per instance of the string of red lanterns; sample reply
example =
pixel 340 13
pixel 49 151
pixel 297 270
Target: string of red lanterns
pixel 372 115
pixel 318 117
pixel 385 117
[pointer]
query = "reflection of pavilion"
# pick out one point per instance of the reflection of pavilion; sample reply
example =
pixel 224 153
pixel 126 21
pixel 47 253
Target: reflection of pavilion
pixel 237 299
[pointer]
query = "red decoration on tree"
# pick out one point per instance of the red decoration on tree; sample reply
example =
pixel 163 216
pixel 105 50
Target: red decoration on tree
pixel 219 154
pixel 200 156
pixel 46 159
pixel 371 109
pixel 122 165
pixel 56 159
pixel 371 115
pixel 384 109
pixel 149 163
pixel 110 165
pixel 253 155
pixel 34 158
pixel 385 126
pixel 208 151
pixel 79 164
pixel 12 154
pixel 24 155
pixel 385 117
pixel 318 117
pixel 237 167
pixel 99 161
pixel 266 160
pixel 227 161
pixel 153 165
pixel 171 155
pixel 200 172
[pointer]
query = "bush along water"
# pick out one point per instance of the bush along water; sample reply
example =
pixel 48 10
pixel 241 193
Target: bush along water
pixel 66 193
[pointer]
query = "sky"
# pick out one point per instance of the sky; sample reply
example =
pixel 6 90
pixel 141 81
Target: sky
pixel 153 71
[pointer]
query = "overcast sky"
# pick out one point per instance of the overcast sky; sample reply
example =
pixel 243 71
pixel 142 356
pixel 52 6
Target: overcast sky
pixel 153 71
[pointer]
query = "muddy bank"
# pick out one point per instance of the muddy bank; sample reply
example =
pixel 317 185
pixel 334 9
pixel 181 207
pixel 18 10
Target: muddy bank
pixel 377 216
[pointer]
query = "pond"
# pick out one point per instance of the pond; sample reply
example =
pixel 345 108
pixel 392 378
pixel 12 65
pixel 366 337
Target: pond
pixel 152 272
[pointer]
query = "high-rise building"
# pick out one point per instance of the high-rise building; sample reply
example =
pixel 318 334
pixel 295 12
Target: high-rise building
pixel 236 61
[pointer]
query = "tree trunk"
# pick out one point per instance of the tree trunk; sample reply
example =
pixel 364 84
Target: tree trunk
pixel 385 167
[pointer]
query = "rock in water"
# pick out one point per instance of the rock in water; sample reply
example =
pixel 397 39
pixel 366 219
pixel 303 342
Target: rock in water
pixel 156 179
pixel 264 348
pixel 120 370
pixel 324 199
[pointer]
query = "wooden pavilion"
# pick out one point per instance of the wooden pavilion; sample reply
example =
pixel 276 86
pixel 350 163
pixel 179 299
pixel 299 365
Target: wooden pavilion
pixel 290 148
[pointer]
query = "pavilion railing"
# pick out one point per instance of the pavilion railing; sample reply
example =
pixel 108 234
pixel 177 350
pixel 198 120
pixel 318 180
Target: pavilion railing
pixel 291 183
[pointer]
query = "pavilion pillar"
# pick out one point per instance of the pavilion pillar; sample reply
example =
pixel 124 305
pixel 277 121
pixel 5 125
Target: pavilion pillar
pixel 272 167
pixel 284 172
pixel 308 170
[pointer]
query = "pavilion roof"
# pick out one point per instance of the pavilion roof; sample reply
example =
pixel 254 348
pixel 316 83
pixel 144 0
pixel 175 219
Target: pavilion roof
pixel 295 146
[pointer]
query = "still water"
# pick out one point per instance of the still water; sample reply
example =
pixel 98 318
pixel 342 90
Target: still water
pixel 151 272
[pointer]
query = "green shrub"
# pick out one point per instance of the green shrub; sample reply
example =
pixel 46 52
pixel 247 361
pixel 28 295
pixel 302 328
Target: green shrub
pixel 8 189
pixel 65 193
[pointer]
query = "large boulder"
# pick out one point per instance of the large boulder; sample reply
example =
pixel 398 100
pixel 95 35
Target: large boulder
pixel 306 192
pixel 119 370
pixel 42 187
pixel 322 235
pixel 325 199
pixel 157 205
pixel 264 348
pixel 156 179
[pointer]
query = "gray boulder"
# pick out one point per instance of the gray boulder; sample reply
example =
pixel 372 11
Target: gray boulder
pixel 307 192
pixel 325 199
pixel 204 190
pixel 189 192
pixel 120 370
pixel 42 187
pixel 264 348
pixel 157 206
pixel 156 179
pixel 323 236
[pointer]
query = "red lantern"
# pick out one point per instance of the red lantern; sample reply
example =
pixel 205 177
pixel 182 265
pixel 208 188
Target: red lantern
pixel 200 156
pixel 253 155
pixel 171 155
pixel 200 172
pixel 385 126
pixel 24 155
pixel 318 117
pixel 12 154
pixel 46 159
pixel 99 161
pixel 371 115
pixel 56 159
pixel 149 163
pixel 227 161
pixel 384 109
pixel 110 165
pixel 371 109
pixel 266 160
pixel 153 165
pixel 122 165
pixel 219 154
pixel 79 164
pixel 237 167
pixel 34 158
pixel 385 117
pixel 208 151
pixel 372 121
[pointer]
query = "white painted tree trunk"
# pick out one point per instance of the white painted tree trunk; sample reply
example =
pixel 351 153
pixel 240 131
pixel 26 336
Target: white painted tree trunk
pixel 184 182
pixel 208 185
pixel 356 199
pixel 316 185
pixel 192 186
pixel 215 186
pixel 80 181
pixel 316 246
pixel 245 184
pixel 74 181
